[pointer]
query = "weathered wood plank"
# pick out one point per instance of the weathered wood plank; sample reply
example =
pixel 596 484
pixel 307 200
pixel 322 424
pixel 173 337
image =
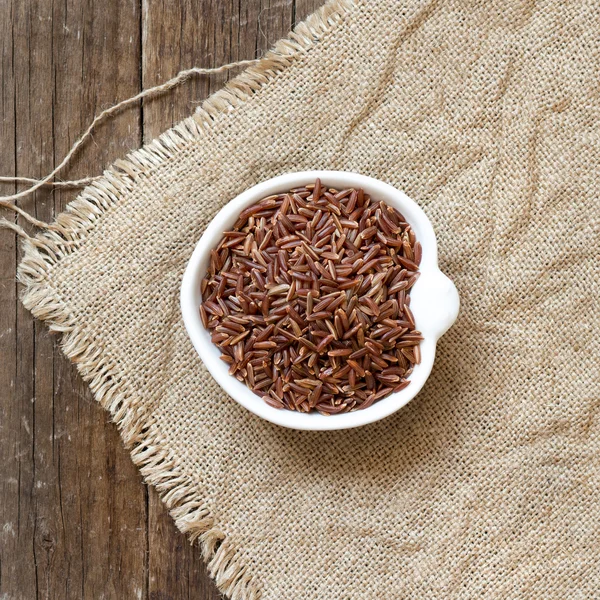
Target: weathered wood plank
pixel 32 39
pixel 177 36
pixel 101 500
pixel 12 541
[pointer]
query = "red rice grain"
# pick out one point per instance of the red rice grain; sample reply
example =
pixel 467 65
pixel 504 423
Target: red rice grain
pixel 308 299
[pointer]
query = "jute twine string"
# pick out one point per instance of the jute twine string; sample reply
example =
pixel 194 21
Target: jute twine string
pixel 7 201
pixel 72 183
pixel 6 224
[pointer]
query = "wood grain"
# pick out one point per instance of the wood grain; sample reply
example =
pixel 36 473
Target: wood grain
pixel 75 519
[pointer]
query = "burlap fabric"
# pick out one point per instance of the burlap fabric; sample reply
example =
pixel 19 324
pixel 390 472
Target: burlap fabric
pixel 487 484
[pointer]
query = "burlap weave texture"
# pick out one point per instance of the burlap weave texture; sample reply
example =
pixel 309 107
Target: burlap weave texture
pixel 487 485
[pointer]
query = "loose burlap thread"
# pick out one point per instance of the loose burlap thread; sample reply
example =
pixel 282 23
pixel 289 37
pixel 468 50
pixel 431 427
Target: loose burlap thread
pixel 487 484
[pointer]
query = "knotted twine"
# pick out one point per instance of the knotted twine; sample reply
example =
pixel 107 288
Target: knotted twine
pixel 487 484
pixel 48 180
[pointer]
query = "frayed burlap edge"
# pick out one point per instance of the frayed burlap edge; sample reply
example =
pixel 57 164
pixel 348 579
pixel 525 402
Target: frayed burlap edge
pixel 69 231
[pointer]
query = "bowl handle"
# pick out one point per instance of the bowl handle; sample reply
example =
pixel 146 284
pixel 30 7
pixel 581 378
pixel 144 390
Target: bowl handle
pixel 438 303
pixel 447 303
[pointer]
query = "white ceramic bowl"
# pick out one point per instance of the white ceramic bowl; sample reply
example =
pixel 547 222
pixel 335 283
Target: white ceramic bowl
pixel 434 303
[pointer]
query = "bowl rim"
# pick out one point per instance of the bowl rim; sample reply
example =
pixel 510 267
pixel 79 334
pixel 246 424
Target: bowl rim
pixel 434 303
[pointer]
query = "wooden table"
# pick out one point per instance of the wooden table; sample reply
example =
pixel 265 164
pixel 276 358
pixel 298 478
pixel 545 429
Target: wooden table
pixel 75 519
